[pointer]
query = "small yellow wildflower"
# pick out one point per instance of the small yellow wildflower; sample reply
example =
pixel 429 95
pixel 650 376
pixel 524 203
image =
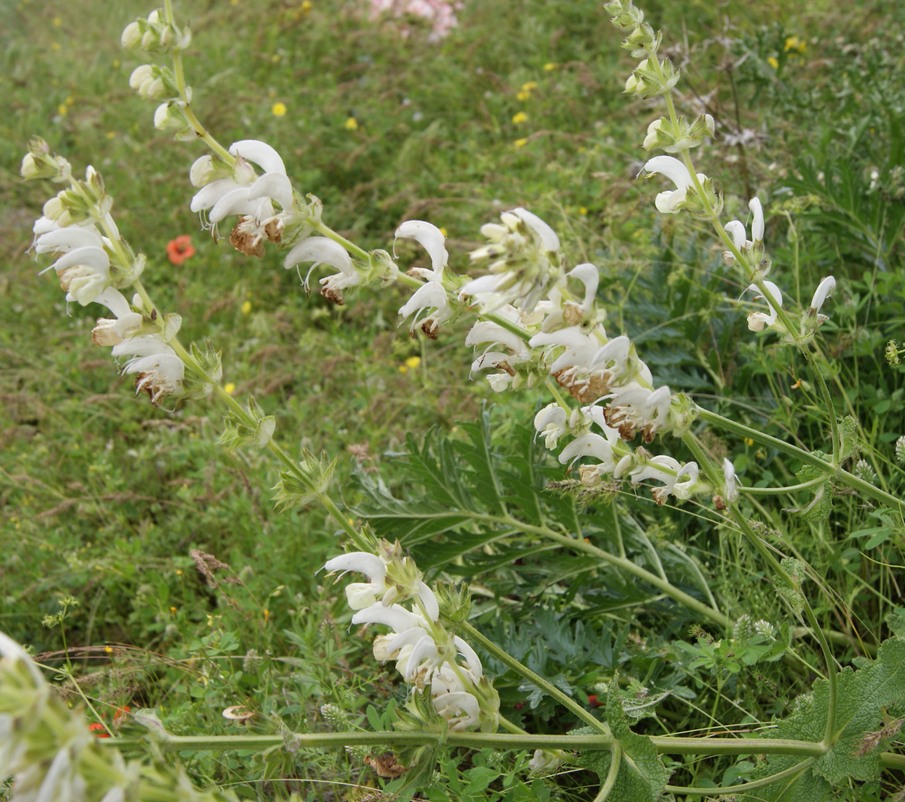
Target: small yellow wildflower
pixel 773 62
pixel 523 95
pixel 266 615
pixel 56 46
pixel 229 387
pixel 173 611
pixel 278 109
pixel 550 66
pixel 110 134
pixel 529 86
pixel 520 143
pixel 178 572
pixel 62 109
pixel 275 58
pixel 411 363
pixel 57 22
pixel 519 118
pixel 749 442
pixel 116 64
pixel 108 649
pixel 306 6
pixel 583 211
pixel 246 307
pixel 351 124
pixel 796 45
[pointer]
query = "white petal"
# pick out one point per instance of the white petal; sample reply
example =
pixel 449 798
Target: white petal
pixel 429 237
pixel 429 600
pixel 66 239
pixel 670 167
pixel 272 185
pixel 757 224
pixel 234 202
pixel 589 445
pixel 396 617
pixel 471 657
pixel 206 197
pixel 736 230
pixel 87 256
pixel 825 287
pixel 588 275
pixel 320 249
pixel 669 202
pixel 362 561
pixel 260 153
pixel 116 302
pixel 547 235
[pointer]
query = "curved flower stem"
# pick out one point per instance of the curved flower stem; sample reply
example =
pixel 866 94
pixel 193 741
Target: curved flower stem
pixel 741 788
pixel 744 526
pixel 291 464
pixel 612 773
pixel 622 563
pixel 474 634
pixel 831 471
pixel 665 745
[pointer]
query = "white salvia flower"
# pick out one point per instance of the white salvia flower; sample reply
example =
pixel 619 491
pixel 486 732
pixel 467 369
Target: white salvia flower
pixel 736 230
pixel 432 298
pixel 635 408
pixel 321 250
pixel 824 288
pixel 244 193
pixel 158 370
pixel 361 594
pixel 757 320
pixel 523 259
pixel 544 762
pixel 495 337
pixel 757 222
pixel 550 422
pixel 678 480
pixel 126 323
pixel 672 202
pixel 730 483
pixel 452 700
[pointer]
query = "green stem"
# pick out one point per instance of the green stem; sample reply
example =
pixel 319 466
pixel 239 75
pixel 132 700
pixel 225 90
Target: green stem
pixel 741 787
pixel 668 745
pixel 474 634
pixel 831 471
pixel 745 527
pixel 612 773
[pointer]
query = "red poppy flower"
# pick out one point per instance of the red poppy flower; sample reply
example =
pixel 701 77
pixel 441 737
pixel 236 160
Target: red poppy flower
pixel 99 730
pixel 180 249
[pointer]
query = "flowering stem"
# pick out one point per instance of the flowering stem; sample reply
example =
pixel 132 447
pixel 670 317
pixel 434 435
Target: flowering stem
pixel 474 634
pixel 830 470
pixel 792 771
pixel 744 526
pixel 668 745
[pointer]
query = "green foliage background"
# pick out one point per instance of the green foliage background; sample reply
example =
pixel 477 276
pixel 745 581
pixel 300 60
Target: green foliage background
pixel 105 498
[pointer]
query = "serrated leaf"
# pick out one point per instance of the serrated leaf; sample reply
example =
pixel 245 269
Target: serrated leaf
pixel 848 431
pixel 862 696
pixel 641 776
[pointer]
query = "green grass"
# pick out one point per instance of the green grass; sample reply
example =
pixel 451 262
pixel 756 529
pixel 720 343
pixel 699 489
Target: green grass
pixel 104 497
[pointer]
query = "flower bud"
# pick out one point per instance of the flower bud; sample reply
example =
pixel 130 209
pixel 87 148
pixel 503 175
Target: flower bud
pixel 131 38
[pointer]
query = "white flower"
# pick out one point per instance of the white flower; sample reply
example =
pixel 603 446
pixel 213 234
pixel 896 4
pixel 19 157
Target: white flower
pixel 523 259
pixel 496 337
pixel 361 594
pixel 244 193
pixel 432 298
pixel 321 250
pixel 635 408
pixel 452 700
pixel 757 320
pixel 736 230
pixel 126 323
pixel 678 480
pixel 158 369
pixel 824 289
pixel 673 201
pixel 730 483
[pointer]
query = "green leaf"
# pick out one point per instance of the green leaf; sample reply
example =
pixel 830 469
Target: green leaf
pixel 642 775
pixel 862 698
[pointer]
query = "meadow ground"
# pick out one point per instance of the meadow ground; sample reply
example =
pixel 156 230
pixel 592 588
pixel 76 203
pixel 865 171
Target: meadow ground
pixel 113 510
